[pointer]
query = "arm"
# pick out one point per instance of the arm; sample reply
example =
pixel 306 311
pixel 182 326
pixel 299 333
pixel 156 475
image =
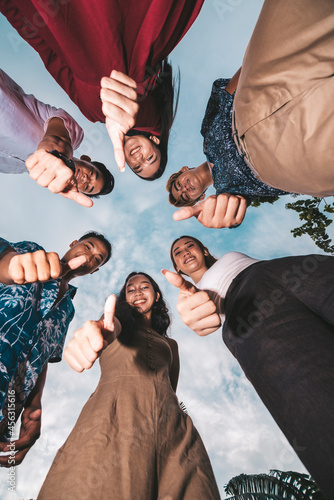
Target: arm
pixel 56 137
pixel 233 83
pixel 88 342
pixel 30 426
pixel 175 368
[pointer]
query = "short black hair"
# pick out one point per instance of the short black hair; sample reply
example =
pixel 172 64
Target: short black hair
pixel 109 181
pixel 101 237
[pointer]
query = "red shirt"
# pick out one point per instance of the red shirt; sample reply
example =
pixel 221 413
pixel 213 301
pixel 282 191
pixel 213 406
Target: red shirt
pixel 80 41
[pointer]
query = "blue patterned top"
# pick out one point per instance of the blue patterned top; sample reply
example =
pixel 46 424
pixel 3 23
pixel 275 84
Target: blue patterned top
pixel 230 173
pixel 32 332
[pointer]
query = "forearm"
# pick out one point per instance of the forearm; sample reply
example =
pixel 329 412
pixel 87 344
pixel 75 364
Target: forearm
pixel 233 83
pixel 5 259
pixel 35 397
pixel 56 137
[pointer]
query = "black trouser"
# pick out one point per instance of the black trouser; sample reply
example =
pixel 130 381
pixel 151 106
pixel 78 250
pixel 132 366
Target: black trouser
pixel 280 327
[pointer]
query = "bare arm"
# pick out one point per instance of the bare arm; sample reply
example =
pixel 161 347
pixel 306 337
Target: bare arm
pixel 56 137
pixel 30 429
pixel 233 83
pixel 5 259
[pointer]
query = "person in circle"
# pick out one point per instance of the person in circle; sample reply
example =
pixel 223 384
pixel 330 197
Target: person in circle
pixel 278 322
pixel 125 44
pixel 36 308
pixel 40 139
pixel 268 130
pixel 132 439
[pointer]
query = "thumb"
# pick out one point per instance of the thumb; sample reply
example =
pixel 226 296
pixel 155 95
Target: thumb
pixel 72 264
pixel 120 158
pixel 183 285
pixel 117 139
pixel 79 198
pixel 109 312
pixel 187 212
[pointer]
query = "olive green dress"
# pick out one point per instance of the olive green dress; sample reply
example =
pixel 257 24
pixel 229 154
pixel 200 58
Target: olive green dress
pixel 132 441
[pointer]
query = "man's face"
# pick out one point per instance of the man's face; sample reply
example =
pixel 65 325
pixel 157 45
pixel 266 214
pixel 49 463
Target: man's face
pixel 188 186
pixel 142 155
pixel 94 250
pixel 89 179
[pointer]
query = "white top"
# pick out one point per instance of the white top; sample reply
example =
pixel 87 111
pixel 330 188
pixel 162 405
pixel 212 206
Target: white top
pixel 218 278
pixel 23 122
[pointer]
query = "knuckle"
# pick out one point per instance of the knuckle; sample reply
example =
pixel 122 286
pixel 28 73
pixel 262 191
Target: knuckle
pixel 105 80
pixel 211 307
pixel 131 122
pixel 135 105
pixel 203 296
pixel 53 256
pixel 133 96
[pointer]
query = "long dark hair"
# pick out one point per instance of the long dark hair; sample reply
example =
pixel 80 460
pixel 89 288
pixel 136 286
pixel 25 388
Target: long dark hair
pixel 130 317
pixel 208 258
pixel 166 91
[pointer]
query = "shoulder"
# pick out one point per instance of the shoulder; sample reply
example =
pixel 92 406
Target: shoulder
pixel 20 247
pixel 172 344
pixel 26 246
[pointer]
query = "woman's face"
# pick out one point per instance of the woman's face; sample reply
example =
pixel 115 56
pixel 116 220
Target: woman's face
pixel 142 155
pixel 139 293
pixel 188 256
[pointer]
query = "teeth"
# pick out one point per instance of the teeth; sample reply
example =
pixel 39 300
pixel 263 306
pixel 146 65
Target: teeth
pixel 188 260
pixel 141 301
pixel 134 151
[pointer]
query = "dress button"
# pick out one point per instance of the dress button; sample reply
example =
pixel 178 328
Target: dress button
pixel 30 341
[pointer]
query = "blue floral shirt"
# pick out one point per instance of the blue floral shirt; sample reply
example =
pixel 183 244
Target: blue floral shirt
pixel 32 333
pixel 230 173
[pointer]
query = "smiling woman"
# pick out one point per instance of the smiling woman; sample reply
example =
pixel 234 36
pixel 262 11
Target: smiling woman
pixel 143 155
pixel 131 438
pixel 278 322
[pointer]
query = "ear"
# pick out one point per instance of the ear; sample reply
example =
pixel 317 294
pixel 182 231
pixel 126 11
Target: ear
pixel 157 297
pixel 201 197
pixel 206 252
pixel 155 139
pixel 184 169
pixel 85 158
pixel 73 243
pixel 95 270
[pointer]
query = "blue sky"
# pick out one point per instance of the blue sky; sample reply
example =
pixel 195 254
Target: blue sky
pixel 236 428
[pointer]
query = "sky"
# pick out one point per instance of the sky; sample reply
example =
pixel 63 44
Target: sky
pixel 238 432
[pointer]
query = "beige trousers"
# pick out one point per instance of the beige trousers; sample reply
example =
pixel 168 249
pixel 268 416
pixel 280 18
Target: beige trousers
pixel 284 104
